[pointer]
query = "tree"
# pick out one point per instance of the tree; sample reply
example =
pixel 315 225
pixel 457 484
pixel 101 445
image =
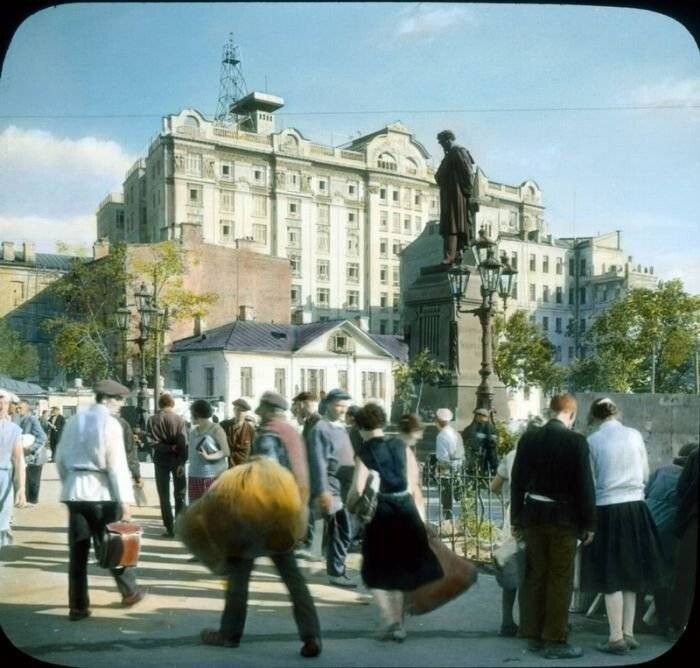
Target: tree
pixel 410 379
pixel 524 355
pixel 642 325
pixel 17 359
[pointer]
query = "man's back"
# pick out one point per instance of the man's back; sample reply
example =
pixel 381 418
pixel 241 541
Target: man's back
pixel 168 431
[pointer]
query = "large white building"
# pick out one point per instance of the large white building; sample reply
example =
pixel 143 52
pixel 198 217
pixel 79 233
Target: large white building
pixel 341 215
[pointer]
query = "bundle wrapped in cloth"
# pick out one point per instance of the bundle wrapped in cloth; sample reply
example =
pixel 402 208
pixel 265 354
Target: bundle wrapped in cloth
pixel 251 510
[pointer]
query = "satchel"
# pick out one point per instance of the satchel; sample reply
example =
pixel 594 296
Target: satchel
pixel 208 444
pixel 509 560
pixel 121 545
pixel 366 504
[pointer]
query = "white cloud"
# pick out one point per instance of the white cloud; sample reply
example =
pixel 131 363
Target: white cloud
pixel 670 92
pixel 46 232
pixel 426 21
pixel 679 264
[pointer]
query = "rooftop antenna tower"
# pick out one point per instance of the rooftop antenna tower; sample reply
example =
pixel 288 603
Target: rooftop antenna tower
pixel 232 85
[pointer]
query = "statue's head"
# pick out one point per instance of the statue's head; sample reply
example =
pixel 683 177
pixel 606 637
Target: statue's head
pixel 445 138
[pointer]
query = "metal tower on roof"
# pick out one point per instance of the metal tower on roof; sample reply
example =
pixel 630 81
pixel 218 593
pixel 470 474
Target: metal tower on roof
pixel 232 85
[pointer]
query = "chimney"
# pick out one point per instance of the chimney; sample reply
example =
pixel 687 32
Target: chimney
pixel 100 249
pixel 199 325
pixel 246 312
pixel 8 251
pixel 248 244
pixel 28 252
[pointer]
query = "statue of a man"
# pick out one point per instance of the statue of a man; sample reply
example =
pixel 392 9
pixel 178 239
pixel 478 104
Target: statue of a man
pixel 455 176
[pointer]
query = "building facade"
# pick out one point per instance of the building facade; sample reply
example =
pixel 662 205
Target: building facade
pixel 340 216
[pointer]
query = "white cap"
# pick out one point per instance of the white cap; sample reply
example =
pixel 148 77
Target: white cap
pixel 444 415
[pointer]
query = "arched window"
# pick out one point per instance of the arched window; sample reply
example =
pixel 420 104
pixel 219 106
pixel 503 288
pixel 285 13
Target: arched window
pixel 411 166
pixel 386 161
pixel 191 122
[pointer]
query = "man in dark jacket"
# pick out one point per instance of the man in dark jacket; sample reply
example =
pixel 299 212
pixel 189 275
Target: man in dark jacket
pixel 239 432
pixel 34 454
pixel 168 432
pixel 56 422
pixel 480 442
pixel 552 504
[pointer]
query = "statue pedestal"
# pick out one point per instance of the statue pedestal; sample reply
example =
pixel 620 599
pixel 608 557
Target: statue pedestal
pixel 431 321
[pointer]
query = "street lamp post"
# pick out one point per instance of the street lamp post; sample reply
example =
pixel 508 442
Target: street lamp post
pixel 497 278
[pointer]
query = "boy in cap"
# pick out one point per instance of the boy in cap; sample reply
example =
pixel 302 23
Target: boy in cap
pixel 480 438
pixel 331 465
pixel 449 453
pixel 239 432
pixel 97 489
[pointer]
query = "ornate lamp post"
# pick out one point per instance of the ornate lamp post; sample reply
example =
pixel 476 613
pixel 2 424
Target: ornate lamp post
pixel 496 278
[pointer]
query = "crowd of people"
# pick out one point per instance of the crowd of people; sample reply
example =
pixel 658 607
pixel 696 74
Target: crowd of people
pixel 636 532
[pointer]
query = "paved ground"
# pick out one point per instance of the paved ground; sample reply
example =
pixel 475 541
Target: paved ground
pixel 183 598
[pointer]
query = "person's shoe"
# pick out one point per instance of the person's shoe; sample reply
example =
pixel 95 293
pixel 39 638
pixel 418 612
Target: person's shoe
pixel 215 637
pixel 399 634
pixel 75 615
pixel 535 645
pixel 508 631
pixel 192 560
pixel 342 581
pixel 631 642
pixel 311 647
pixel 387 632
pixel 613 647
pixel 168 533
pixel 133 599
pixel 305 554
pixel 561 650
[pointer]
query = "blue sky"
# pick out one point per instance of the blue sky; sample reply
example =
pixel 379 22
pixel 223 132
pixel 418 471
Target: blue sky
pixel 634 169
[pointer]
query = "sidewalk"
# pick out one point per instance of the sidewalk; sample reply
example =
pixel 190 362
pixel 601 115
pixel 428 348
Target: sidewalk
pixel 183 598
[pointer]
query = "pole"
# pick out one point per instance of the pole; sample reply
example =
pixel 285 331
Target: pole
pixel 484 393
pixel 143 395
pixel 653 369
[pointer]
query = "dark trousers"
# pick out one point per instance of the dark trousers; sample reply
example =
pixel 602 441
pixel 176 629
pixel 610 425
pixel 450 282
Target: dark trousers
pixel 450 490
pixel 684 586
pixel 339 535
pixel 234 616
pixel 86 520
pixel 163 474
pixel 309 540
pixel 33 482
pixel 548 582
pixel 489 461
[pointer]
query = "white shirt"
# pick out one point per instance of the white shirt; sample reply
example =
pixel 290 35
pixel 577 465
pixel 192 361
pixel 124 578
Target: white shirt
pixel 449 447
pixel 619 463
pixel 91 458
pixel 505 471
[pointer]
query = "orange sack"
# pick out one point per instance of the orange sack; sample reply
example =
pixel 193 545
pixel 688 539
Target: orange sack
pixel 251 510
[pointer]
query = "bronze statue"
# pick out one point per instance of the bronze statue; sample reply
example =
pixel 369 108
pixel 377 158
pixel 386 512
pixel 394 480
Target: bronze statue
pixel 455 176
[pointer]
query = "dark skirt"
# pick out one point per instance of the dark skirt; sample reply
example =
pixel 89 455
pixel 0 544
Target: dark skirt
pixel 625 554
pixel 197 486
pixel 395 549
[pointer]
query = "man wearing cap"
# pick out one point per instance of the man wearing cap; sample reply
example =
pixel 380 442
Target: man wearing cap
pixel 56 424
pixel 35 454
pixel 480 439
pixel 449 453
pixel 278 440
pixel 96 488
pixel 239 432
pixel 168 432
pixel 331 463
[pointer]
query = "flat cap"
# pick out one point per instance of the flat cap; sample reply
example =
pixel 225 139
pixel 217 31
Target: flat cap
pixel 242 404
pixel 305 396
pixel 112 388
pixel 444 414
pixel 275 400
pixel 481 411
pixel 337 395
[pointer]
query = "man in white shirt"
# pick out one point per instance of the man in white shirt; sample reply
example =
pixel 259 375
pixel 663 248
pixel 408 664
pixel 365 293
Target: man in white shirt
pixel 97 489
pixel 449 453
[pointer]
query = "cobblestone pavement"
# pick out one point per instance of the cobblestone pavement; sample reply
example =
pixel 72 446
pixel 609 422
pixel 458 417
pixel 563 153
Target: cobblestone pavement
pixel 183 598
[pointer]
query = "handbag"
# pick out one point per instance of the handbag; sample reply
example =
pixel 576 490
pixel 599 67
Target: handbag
pixel 208 444
pixel 121 545
pixel 366 504
pixel 509 560
pixel 458 575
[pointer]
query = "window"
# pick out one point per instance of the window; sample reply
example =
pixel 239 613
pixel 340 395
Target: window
pixel 209 381
pixel 526 392
pixel 533 262
pixel 418 224
pixel 353 244
pixel 259 205
pixel 582 326
pixel 557 356
pixel 560 266
pixel 323 297
pixel 353 299
pixel 532 319
pixel 343 379
pixel 295 295
pixel 247 381
pixel 397 301
pixel 396 247
pixel 384 300
pixel 514 260
pixel 323 185
pixel 295 265
pixel 384 220
pixel 323 239
pixel 582 267
pixel 372 385
pixel 545 264
pixel 395 277
pixel 195 194
pixel 571 295
pixel 557 325
pixel 293 208
pixel 384 275
pixel 545 293
pixel 352 189
pixel 559 295
pixel 294 237
pixel 570 327
pixel 260 233
pixel 545 323
pixel 571 352
pixel 353 219
pixel 323 211
pixel 226 231
pixel 582 295
pixel 383 246
pixel 226 200
pixel 407 225
pixel 417 199
pixel 323 270
pixel 382 194
pixel 396 327
pixel 572 266
pixel 313 380
pixel 226 171
pixel 406 197
pixel 411 166
pixel 353 272
pixel 281 381
pixel 395 196
pixel 259 176
pixel 396 223
pixel 294 179
pixel 386 161
pixel 193 164
pixel 382 326
pixel 533 292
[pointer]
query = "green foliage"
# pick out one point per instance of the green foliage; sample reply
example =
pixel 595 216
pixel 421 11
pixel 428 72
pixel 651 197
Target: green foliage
pixel 524 355
pixel 506 440
pixel 623 339
pixel 18 360
pixel 410 378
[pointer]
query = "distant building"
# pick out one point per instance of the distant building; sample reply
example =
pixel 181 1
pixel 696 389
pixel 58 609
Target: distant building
pixel 245 359
pixel 110 219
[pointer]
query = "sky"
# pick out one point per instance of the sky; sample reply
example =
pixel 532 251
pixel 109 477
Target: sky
pixel 528 89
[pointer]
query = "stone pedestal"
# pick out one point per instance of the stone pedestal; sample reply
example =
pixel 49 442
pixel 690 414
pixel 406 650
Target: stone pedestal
pixel 431 321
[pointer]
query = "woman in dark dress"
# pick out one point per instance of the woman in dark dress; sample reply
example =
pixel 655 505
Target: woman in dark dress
pixel 396 556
